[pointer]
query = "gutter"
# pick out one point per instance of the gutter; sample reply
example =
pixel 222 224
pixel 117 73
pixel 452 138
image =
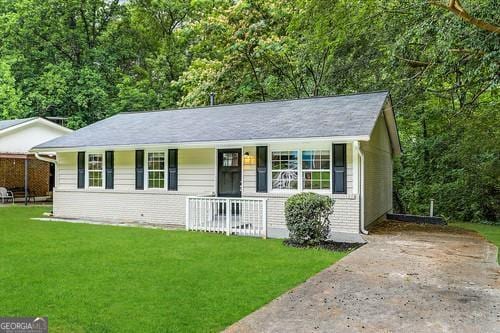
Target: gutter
pixel 199 144
pixel 45 159
pixel 357 147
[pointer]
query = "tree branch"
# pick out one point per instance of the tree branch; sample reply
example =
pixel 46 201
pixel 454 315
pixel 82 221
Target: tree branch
pixel 54 45
pixel 256 76
pixel 456 8
pixel 468 51
pixel 480 92
pixel 414 63
pixel 285 75
pixel 85 23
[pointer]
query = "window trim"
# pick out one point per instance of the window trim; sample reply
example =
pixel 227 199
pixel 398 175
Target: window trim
pixel 329 169
pixel 87 170
pixel 300 187
pixel 146 170
pixel 270 172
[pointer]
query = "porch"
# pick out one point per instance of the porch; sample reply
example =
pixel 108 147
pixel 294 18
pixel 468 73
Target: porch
pixel 232 216
pixel 29 179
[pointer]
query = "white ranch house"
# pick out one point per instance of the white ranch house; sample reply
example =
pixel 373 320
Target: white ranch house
pixel 230 168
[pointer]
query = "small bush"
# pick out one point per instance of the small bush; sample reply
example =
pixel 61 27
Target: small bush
pixel 307 218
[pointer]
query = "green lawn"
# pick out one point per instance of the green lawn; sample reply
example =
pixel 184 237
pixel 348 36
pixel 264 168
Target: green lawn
pixel 90 278
pixel 490 232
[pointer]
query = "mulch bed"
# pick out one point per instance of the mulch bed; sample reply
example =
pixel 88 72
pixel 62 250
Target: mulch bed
pixel 392 227
pixel 327 245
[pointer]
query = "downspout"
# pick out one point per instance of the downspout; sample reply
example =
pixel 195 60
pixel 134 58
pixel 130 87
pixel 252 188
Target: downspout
pixel 45 159
pixel 362 229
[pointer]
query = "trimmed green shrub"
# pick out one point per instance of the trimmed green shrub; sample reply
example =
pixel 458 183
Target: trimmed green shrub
pixel 307 218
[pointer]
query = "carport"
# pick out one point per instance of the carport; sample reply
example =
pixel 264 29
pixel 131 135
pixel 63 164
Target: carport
pixel 26 176
pixel 20 171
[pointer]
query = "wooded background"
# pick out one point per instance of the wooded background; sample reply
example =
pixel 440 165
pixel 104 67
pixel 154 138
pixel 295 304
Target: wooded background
pixel 89 59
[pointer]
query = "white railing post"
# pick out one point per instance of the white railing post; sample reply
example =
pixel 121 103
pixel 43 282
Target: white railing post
pixel 187 213
pixel 216 215
pixel 228 220
pixel 264 218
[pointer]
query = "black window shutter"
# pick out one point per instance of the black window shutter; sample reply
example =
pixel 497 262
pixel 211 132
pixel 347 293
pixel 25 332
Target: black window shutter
pixel 339 168
pixel 139 169
pixel 110 166
pixel 81 169
pixel 172 169
pixel 261 169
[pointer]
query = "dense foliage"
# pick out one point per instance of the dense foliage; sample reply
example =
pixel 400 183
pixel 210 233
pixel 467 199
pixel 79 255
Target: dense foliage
pixel 88 59
pixel 307 218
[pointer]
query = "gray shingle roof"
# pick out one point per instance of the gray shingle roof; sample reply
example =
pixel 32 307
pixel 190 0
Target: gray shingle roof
pixel 348 115
pixel 4 124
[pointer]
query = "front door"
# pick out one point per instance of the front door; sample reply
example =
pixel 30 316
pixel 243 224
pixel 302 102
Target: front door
pixel 229 173
pixel 52 176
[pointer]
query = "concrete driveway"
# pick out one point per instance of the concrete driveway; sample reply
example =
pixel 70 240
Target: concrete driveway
pixel 408 278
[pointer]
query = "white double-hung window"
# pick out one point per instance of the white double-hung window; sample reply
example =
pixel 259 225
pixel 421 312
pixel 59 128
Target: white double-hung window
pixel 316 169
pixel 303 170
pixel 285 169
pixel 156 169
pixel 95 169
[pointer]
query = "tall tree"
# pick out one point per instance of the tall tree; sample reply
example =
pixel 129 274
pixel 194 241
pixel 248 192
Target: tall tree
pixel 88 59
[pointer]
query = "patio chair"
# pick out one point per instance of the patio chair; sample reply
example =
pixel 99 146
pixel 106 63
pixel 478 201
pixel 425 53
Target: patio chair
pixel 6 195
pixel 20 192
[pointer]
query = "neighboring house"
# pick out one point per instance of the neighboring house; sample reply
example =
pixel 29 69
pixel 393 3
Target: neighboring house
pixel 230 168
pixel 17 137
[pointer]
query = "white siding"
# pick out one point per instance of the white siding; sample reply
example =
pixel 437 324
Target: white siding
pixel 378 173
pixel 249 181
pixel 197 176
pixel 124 203
pixel 346 208
pixel 23 139
pixel 349 168
pixel 66 171
pixel 124 173
pixel 197 169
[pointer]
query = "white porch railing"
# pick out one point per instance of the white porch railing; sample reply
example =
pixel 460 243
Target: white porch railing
pixel 239 216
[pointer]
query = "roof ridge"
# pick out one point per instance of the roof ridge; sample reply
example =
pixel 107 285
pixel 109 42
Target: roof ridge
pixel 247 103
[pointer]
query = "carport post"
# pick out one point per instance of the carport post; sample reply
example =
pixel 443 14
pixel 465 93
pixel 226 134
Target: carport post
pixel 26 181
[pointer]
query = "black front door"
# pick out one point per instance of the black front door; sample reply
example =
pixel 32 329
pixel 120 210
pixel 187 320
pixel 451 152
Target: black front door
pixel 229 173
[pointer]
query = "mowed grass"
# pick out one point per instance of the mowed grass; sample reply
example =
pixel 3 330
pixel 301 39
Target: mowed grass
pixel 489 231
pixel 92 278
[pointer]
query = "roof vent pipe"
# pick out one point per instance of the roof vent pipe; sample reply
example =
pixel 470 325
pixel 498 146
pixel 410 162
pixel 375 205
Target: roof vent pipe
pixel 212 99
